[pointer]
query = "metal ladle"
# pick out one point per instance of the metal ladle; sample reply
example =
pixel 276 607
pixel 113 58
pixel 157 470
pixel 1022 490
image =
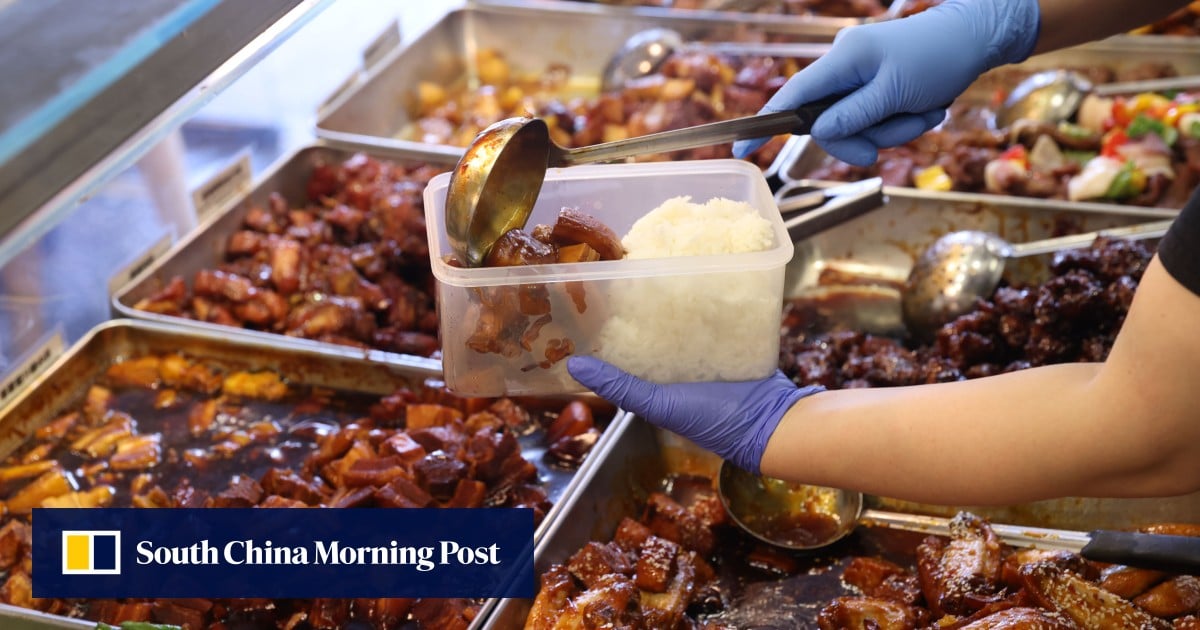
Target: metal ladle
pixel 1054 96
pixel 961 267
pixel 645 51
pixel 784 513
pixel 494 186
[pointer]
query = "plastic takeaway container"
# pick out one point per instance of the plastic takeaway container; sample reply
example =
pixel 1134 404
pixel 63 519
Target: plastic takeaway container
pixel 673 319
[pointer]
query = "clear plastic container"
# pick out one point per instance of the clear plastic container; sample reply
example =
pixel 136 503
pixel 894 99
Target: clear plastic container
pixel 677 319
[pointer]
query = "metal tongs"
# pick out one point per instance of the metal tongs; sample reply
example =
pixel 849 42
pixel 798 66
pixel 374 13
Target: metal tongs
pixel 809 210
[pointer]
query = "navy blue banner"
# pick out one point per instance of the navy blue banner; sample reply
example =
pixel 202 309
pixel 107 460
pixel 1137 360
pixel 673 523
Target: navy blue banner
pixel 283 552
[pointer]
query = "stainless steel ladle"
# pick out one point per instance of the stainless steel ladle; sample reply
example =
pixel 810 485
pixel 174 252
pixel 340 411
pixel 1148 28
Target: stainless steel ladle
pixel 1054 96
pixel 776 512
pixel 494 186
pixel 961 267
pixel 645 51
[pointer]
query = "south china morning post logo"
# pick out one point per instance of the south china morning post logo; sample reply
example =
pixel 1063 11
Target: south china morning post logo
pixel 91 552
pixel 283 553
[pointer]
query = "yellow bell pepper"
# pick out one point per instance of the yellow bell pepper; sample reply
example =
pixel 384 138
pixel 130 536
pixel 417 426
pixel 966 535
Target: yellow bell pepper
pixel 933 178
pixel 1171 117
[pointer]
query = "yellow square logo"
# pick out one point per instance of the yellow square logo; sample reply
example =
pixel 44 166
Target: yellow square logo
pixel 91 552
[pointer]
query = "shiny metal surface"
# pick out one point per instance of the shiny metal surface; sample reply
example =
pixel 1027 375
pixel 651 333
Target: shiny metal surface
pixel 755 502
pixel 335 368
pixel 962 267
pixel 1052 96
pixel 495 184
pixel 204 247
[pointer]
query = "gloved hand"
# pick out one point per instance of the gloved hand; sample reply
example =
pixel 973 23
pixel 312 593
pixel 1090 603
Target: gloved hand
pixel 733 420
pixel 900 75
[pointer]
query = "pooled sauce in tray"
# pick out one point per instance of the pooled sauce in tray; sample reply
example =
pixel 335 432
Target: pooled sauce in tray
pixel 162 431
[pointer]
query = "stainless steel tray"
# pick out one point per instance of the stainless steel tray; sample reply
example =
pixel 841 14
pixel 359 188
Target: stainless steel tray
pixel 373 109
pixel 726 10
pixel 336 368
pixel 204 247
pixel 636 462
pixel 1117 52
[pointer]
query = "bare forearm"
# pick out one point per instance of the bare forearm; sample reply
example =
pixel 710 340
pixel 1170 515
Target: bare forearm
pixel 1011 438
pixel 1070 22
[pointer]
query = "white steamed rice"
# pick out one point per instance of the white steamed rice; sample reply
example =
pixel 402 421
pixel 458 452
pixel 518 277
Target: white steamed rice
pixel 698 327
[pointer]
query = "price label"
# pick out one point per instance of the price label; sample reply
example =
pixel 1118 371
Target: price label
pixel 27 369
pixel 140 263
pixel 384 43
pixel 226 185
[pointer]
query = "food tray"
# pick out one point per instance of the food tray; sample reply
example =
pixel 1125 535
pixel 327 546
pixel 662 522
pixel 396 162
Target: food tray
pixel 372 109
pixel 1117 52
pixel 638 460
pixel 204 247
pixel 336 368
pixel 724 10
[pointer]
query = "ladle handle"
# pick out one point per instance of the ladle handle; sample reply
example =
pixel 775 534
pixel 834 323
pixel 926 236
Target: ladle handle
pixel 766 49
pixel 1076 241
pixel 1149 85
pixel 1174 554
pixel 798 121
pixel 1014 535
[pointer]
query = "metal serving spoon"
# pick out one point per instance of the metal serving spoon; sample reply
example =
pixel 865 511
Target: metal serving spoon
pixel 805 518
pixel 1054 96
pixel 494 186
pixel 645 51
pixel 961 267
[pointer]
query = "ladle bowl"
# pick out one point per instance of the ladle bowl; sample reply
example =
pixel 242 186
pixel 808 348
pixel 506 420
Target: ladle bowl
pixel 962 267
pixel 1054 96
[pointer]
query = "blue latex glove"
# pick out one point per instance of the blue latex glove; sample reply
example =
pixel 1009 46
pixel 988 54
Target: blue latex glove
pixel 733 420
pixel 900 74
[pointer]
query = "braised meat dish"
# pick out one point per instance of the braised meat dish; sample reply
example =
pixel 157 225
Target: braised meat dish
pixel 1073 316
pixel 681 564
pixel 163 431
pixel 349 264
pixel 690 88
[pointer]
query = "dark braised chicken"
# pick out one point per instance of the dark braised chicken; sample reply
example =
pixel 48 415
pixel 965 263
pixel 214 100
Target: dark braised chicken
pixel 167 431
pixel 1073 316
pixel 348 265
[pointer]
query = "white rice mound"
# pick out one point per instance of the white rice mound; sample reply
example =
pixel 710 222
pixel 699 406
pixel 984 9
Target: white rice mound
pixel 720 326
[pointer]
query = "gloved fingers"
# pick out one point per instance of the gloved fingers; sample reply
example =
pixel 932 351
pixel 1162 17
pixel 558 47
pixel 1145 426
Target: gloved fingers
pixel 837 72
pixel 898 130
pixel 624 390
pixel 865 108
pixel 934 117
pixel 743 148
pixel 855 150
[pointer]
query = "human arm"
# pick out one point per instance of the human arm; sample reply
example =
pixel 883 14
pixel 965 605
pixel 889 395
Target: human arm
pixel 898 76
pixel 1071 22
